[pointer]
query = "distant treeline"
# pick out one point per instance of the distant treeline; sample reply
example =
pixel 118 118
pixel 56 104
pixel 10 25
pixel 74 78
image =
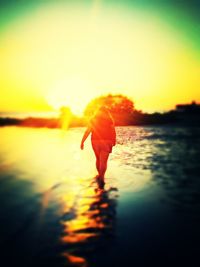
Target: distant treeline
pixel 42 122
pixel 122 110
pixel 136 118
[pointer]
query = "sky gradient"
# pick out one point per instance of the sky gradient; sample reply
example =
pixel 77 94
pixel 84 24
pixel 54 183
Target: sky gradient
pixel 57 53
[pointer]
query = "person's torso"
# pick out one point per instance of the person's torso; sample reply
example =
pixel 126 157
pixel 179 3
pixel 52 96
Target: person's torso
pixel 103 131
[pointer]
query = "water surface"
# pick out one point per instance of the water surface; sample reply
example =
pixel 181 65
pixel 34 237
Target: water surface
pixel 53 214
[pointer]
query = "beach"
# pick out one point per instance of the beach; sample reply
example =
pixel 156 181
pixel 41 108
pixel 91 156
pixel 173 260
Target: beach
pixel 53 213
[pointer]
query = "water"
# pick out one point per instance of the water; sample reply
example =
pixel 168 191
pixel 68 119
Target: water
pixel 53 214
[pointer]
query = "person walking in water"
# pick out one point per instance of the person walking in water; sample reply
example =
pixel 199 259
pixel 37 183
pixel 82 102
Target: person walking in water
pixel 103 138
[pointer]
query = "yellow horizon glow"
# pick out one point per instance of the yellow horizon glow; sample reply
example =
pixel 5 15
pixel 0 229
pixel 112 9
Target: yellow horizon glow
pixel 67 55
pixel 64 93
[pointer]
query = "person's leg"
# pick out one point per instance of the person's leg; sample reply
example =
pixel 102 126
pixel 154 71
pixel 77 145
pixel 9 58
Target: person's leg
pixel 103 163
pixel 98 164
pixel 97 152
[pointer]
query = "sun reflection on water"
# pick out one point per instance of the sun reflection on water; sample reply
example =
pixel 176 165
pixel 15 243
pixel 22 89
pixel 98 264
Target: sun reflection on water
pixel 93 219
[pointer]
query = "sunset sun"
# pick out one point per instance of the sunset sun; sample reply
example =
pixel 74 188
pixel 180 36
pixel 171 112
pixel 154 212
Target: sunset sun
pixel 69 93
pixel 66 54
pixel 99 133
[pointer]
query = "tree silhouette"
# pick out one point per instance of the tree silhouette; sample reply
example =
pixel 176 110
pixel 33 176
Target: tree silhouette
pixel 120 106
pixel 115 103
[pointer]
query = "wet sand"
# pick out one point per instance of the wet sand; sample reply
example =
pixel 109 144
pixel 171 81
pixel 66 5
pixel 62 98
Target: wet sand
pixel 54 214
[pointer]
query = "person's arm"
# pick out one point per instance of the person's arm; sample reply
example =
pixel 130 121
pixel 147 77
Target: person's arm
pixel 85 136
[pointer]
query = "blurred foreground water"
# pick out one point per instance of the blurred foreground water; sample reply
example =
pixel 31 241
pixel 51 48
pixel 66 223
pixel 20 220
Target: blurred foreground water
pixel 53 214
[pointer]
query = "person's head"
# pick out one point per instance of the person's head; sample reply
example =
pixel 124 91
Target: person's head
pixel 102 110
pixel 103 113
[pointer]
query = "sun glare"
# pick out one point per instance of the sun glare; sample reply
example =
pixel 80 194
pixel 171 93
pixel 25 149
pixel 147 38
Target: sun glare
pixel 69 93
pixel 68 54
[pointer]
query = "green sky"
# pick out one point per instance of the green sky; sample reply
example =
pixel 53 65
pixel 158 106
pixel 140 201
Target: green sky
pixel 182 15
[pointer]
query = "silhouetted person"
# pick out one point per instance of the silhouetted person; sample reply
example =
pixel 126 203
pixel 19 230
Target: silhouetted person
pixel 103 138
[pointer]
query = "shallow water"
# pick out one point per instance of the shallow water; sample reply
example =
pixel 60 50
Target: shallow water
pixel 53 214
